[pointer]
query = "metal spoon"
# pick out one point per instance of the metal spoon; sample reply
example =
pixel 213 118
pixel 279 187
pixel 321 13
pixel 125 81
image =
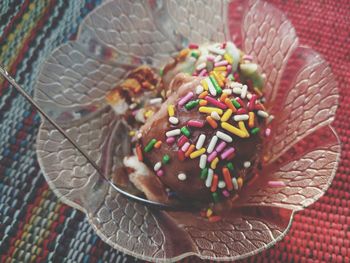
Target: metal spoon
pixel 180 206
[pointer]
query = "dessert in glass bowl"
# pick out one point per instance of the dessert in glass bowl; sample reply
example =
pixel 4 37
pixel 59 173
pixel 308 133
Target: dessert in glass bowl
pixel 198 128
pixel 121 38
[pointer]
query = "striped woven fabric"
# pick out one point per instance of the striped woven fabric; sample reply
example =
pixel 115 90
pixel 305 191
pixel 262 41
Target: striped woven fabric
pixel 36 227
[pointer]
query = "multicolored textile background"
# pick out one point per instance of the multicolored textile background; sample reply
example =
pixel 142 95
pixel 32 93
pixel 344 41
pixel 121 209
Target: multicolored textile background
pixel 36 227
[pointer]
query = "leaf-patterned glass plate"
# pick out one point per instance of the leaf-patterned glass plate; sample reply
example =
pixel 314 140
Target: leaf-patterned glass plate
pixel 301 92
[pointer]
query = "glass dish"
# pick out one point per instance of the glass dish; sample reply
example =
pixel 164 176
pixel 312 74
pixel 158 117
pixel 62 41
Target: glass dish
pixel 301 92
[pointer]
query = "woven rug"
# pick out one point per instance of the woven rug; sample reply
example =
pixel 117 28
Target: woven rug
pixel 36 227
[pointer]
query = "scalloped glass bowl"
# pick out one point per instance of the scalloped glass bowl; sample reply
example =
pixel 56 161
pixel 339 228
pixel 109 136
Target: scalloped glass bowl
pixel 301 92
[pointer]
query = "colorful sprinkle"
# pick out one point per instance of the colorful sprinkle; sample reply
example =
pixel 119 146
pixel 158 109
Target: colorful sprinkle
pixel 203 102
pixel 203 94
pixel 211 87
pixel 180 155
pixel 212 143
pixel 185 131
pixel 247 164
pixel 267 132
pixel 227 153
pixel 173 120
pixel 223 136
pixel 228 58
pixel 217 58
pixel 230 128
pixel 150 145
pixel 185 147
pixel 197 153
pixel 230 166
pixel 200 141
pixel 203 73
pixel 215 102
pixel 204 173
pixel 212 156
pixel 139 152
pixel 160 172
pixel 235 103
pixel 221 184
pixel 251 121
pixel 234 182
pixel 181 176
pixel 182 140
pixel 199 89
pixel 209 179
pixel 215 116
pixel 227 178
pixel 255 130
pixel 214 163
pixel 171 110
pixel 210 110
pixel 190 150
pixel 214 183
pixel 193 46
pixel 225 193
pixel 240 182
pixel 242 117
pixel 205 84
pixel 223 97
pixel 211 122
pixel 242 127
pixel 216 85
pixel 226 116
pixel 170 140
pixel 158 144
pixel 216 199
pixel 166 159
pixel 230 105
pixel 209 212
pixel 217 51
pixel 221 63
pixel 157 166
pixel 185 99
pixel 203 161
pixel 191 104
pixel 201 66
pixel 172 133
pixel 244 91
pixel 221 146
pixel 155 101
pixel 262 114
pixel 194 123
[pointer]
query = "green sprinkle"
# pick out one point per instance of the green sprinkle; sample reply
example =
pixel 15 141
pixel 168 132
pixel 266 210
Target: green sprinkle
pixel 235 103
pixel 185 131
pixel 161 72
pixel 231 77
pixel 215 197
pixel 195 54
pixel 216 85
pixel 204 173
pixel 255 130
pixel 230 166
pixel 192 104
pixel 166 159
pixel 150 145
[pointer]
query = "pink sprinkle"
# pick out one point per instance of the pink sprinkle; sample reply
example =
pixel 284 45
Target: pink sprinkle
pixel 229 68
pixel 240 101
pixel 212 156
pixel 241 111
pixel 192 46
pixel 216 102
pixel 170 140
pixel 267 132
pixel 258 106
pixel 194 123
pixel 221 146
pixel 252 101
pixel 248 57
pixel 211 58
pixel 194 74
pixel 203 73
pixel 185 147
pixel 227 153
pixel 276 183
pixel 221 63
pixel 185 98
pixel 226 193
pixel 181 141
pixel 160 173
